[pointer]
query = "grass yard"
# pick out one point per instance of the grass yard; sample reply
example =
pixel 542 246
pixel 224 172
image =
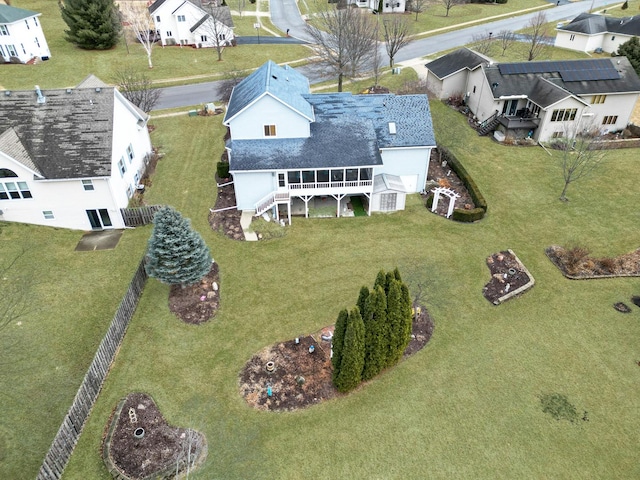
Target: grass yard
pixel 468 405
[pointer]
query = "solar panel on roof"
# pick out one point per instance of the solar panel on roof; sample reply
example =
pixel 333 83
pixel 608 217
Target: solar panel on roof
pixel 586 75
pixel 570 70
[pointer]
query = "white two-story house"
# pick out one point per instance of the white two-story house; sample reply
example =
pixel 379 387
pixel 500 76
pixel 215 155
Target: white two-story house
pixel 21 36
pixel 388 6
pixel 288 145
pixel 192 22
pixel 70 158
pixel 588 33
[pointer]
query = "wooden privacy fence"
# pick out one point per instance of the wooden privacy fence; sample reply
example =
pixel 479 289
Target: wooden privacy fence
pixel 65 440
pixel 139 216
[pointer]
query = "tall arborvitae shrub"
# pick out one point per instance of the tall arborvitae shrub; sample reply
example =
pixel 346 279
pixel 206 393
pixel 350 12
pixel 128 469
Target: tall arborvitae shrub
pixel 176 254
pixel 396 323
pixel 338 342
pixel 407 316
pixel 396 274
pixel 93 24
pixel 381 280
pixel 352 362
pixel 362 299
pixel 376 341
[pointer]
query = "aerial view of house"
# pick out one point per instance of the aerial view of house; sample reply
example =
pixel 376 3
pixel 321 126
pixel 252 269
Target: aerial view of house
pixel 289 146
pixel 21 35
pixel 190 22
pixel 592 32
pixel 70 157
pixel 537 99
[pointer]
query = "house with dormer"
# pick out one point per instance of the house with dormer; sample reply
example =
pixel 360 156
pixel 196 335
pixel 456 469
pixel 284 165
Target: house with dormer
pixel 540 99
pixel 70 158
pixel 289 148
pixel 21 36
pixel 590 32
pixel 192 22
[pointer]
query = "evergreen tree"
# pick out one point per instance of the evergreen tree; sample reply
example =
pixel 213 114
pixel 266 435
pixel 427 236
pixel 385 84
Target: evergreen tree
pixel 396 323
pixel 352 363
pixel 631 50
pixel 390 278
pixel 93 24
pixel 376 341
pixel 338 342
pixel 381 280
pixel 407 316
pixel 362 299
pixel 176 254
pixel 396 274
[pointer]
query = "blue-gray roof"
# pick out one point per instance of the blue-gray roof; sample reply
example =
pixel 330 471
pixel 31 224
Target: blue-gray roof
pixel 454 62
pixel 283 83
pixel 592 24
pixel 12 14
pixel 349 130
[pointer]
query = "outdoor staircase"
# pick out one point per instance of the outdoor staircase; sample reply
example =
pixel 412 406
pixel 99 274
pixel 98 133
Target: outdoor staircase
pixel 270 200
pixel 489 125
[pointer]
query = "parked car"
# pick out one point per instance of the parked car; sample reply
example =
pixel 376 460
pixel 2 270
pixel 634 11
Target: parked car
pixel 153 35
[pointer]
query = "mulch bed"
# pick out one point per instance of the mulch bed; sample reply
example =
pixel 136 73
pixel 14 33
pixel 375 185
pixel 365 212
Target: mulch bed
pixel 226 222
pixel 161 447
pixel 197 303
pixel 445 177
pixel 507 275
pixel 292 360
pixel 587 267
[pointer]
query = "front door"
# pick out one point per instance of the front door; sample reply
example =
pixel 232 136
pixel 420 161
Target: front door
pixel 99 218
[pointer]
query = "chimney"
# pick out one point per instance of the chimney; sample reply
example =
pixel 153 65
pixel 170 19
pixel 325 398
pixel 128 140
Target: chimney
pixel 41 98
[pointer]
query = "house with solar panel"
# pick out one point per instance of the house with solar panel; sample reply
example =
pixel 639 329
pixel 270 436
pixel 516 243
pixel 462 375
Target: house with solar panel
pixel 539 99
pixel 597 33
pixel 21 37
pixel 70 157
pixel 293 152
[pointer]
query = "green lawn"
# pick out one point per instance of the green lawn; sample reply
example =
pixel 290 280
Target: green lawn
pixel 465 407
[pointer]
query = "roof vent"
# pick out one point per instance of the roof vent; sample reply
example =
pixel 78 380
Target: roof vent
pixel 68 90
pixel 274 77
pixel 98 89
pixel 392 128
pixel 494 85
pixel 7 93
pixel 41 98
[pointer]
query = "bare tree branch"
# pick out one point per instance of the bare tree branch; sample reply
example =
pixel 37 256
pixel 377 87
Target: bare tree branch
pixel 396 36
pixel 482 42
pixel 538 27
pixel 17 286
pixel 507 38
pixel 216 28
pixel 137 88
pixel 449 4
pixel 137 18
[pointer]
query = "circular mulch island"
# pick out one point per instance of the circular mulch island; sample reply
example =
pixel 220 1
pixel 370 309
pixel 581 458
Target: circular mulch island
pixel 300 378
pixel 622 307
pixel 139 443
pixel 197 303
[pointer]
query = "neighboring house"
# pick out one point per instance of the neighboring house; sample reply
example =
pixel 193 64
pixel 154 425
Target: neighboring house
pixel 588 33
pixel 21 36
pixel 388 6
pixel 187 22
pixel 540 99
pixel 290 149
pixel 70 158
pixel 447 75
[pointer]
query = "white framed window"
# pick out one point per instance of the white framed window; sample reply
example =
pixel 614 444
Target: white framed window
pixel 35 21
pixel 129 191
pixel 203 38
pixel 598 99
pixel 4 30
pixel 12 50
pixel 3 193
pixel 26 193
pixel 26 22
pixel 88 185
pixel 222 36
pixel 122 167
pixel 572 37
pixel 610 119
pixel 564 115
pixel 130 153
pixel 169 34
pixel 158 18
pixel 181 18
pixel 48 214
pixel 136 178
pixel 269 130
pixel 557 135
pixel 37 42
pixel 1 51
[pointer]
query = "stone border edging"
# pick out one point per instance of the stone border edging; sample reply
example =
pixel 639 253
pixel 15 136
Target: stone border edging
pixel 587 277
pixel 517 291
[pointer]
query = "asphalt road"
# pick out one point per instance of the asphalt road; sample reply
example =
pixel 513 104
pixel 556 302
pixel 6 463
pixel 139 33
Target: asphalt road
pixel 285 15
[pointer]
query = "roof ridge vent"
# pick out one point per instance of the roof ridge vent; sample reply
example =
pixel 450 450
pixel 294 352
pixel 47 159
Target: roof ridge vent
pixel 41 98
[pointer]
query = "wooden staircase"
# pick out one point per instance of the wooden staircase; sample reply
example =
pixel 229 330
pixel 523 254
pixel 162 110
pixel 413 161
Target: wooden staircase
pixel 489 125
pixel 270 200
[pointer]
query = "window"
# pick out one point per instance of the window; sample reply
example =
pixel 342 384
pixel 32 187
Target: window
pixel 158 18
pixel 269 130
pixel 122 167
pixel 281 182
pixel 386 5
pixel 129 191
pixel 222 36
pixel 398 5
pixel 613 37
pixel 474 89
pixel 598 99
pixel 37 42
pixel 12 51
pixel 557 135
pixel 23 50
pixel 323 176
pixel 87 185
pixel 6 173
pixel 4 30
pixel 136 178
pixel 352 174
pixel 610 119
pixel 308 176
pixel 1 51
pixel 337 175
pixel 26 22
pixel 14 191
pixel 564 115
pixel 3 193
pixel 572 38
pixel 48 214
pixel 169 33
pixel 293 177
pixel 35 21
pixel 130 152
pixel 203 38
pixel 365 174
pixel 181 18
pixel 24 190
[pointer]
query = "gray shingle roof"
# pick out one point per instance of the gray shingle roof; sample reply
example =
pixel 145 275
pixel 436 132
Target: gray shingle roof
pixel 283 83
pixel 12 14
pixel 591 24
pixel 349 130
pixel 12 146
pixel 222 14
pixel 67 136
pixel 385 182
pixel 155 5
pixel 455 61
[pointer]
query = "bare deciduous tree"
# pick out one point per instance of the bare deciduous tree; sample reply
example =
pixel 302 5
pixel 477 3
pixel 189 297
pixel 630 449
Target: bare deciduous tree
pixel 396 36
pixel 538 27
pixel 137 18
pixel 217 27
pixel 345 41
pixel 507 38
pixel 579 157
pixel 449 4
pixel 482 42
pixel 137 88
pixel 17 288
pixel 417 6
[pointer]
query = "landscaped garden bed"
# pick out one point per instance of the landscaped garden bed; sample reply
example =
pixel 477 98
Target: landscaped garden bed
pixel 509 277
pixel 197 303
pixel 576 263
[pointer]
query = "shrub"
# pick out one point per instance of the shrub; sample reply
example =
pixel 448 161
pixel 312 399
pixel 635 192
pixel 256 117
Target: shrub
pixel 607 265
pixel 222 169
pixel 467 216
pixel 350 374
pixel 559 407
pixel 465 178
pixel 430 201
pixel 573 258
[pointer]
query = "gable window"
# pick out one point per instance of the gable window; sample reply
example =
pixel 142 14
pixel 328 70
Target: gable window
pixel 598 99
pixel 48 214
pixel 564 115
pixel 87 185
pixel 4 30
pixel 6 173
pixel 181 18
pixel 572 37
pixel 203 38
pixel 158 18
pixel 122 167
pixel 610 119
pixel 269 130
pixel 130 153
